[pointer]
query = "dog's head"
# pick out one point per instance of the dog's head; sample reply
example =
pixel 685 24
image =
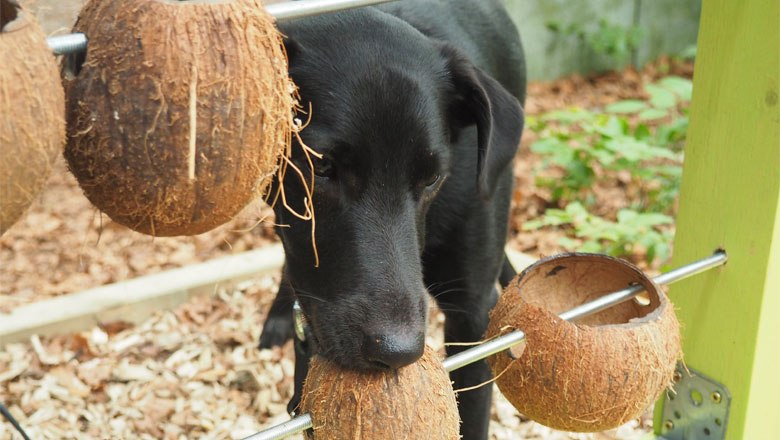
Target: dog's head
pixel 389 108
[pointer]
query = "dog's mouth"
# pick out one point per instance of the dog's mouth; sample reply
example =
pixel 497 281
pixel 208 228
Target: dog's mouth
pixel 376 354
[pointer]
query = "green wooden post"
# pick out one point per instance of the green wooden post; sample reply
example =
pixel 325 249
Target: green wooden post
pixel 730 198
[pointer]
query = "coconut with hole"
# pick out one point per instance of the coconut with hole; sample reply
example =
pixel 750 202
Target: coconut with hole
pixel 593 374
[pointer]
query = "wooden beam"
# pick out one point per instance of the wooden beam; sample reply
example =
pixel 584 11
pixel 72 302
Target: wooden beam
pixel 136 299
pixel 730 198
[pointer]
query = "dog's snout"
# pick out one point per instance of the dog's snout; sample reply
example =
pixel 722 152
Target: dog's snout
pixel 393 349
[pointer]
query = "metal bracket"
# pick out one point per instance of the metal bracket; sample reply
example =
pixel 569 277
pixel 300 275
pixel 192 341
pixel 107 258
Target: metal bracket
pixel 697 408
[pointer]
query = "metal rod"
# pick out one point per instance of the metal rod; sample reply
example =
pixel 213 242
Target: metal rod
pixel 305 8
pixel 303 422
pixel 282 430
pixel 503 342
pixel 77 42
pixel 67 44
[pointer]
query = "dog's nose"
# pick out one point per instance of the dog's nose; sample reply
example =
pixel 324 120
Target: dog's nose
pixel 393 350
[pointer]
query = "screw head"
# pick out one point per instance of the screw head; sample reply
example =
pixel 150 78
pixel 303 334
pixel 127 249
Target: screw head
pixel 716 397
pixel 668 425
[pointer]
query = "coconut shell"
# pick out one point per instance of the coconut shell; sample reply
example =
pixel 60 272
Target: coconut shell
pixel 415 402
pixel 597 373
pixel 180 112
pixel 32 105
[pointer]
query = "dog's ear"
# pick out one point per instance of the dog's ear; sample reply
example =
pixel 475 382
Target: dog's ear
pixel 481 100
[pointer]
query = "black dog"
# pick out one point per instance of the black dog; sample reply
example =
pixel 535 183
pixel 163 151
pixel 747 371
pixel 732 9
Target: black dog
pixel 416 111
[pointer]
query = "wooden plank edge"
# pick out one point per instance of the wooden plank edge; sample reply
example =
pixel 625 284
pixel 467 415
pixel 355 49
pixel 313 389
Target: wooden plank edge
pixel 136 299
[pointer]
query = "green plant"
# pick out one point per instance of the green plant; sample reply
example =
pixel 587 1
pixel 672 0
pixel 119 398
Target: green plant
pixel 579 147
pixel 632 144
pixel 613 40
pixel 633 231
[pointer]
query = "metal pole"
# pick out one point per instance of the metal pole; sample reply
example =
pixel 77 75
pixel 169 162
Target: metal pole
pixel 503 342
pixel 494 346
pixel 282 430
pixel 291 10
pixel 67 44
pixel 72 43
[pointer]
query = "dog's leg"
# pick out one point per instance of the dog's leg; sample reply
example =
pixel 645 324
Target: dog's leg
pixel 302 356
pixel 507 274
pixel 278 327
pixel 468 323
pixel 466 309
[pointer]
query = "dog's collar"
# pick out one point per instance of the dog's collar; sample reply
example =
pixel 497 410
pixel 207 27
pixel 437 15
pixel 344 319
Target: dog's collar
pixel 299 322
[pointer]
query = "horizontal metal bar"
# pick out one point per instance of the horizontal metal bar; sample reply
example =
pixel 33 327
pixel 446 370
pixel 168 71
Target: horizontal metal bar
pixel 510 339
pixel 494 346
pixel 305 8
pixel 67 44
pixel 282 430
pixel 77 42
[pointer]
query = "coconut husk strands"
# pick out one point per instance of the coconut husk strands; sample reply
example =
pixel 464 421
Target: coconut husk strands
pixel 415 402
pixel 32 105
pixel 180 112
pixel 594 374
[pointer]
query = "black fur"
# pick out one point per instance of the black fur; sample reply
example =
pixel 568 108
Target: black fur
pixel 416 107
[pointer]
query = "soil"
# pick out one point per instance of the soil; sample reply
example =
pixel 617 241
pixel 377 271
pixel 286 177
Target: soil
pixel 194 372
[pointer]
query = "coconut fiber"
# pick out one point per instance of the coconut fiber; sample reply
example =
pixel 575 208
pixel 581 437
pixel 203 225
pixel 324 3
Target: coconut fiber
pixel 32 103
pixel 179 113
pixel 594 374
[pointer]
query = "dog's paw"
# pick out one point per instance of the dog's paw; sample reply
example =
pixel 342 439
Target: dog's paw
pixel 276 331
pixel 293 404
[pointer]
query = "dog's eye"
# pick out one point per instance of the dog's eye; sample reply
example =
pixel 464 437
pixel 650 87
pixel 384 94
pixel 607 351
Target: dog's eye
pixel 433 180
pixel 324 167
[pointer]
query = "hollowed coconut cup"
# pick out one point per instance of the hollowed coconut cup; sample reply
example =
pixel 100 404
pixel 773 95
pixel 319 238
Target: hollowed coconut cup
pixel 32 111
pixel 595 373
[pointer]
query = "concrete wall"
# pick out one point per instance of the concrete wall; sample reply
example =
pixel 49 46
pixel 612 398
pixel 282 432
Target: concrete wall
pixel 669 27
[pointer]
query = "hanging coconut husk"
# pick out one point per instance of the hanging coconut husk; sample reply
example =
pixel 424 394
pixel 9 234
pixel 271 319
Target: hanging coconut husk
pixel 415 402
pixel 598 372
pixel 180 112
pixel 32 105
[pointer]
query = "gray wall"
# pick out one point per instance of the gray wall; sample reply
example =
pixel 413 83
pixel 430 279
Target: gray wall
pixel 670 26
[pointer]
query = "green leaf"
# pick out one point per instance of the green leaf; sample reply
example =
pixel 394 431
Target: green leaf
pixel 576 210
pixel 626 106
pixel 652 114
pixel 660 97
pixel 532 225
pixel 613 127
pixel 568 116
pixel 605 157
pixel 553 25
pixel 626 215
pixel 568 243
pixel 689 52
pixel 682 87
pixel 548 145
pixel 642 132
pixel 591 246
pixel 652 219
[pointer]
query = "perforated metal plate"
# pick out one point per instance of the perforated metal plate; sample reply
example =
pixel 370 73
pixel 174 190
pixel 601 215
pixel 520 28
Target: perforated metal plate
pixel 697 409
